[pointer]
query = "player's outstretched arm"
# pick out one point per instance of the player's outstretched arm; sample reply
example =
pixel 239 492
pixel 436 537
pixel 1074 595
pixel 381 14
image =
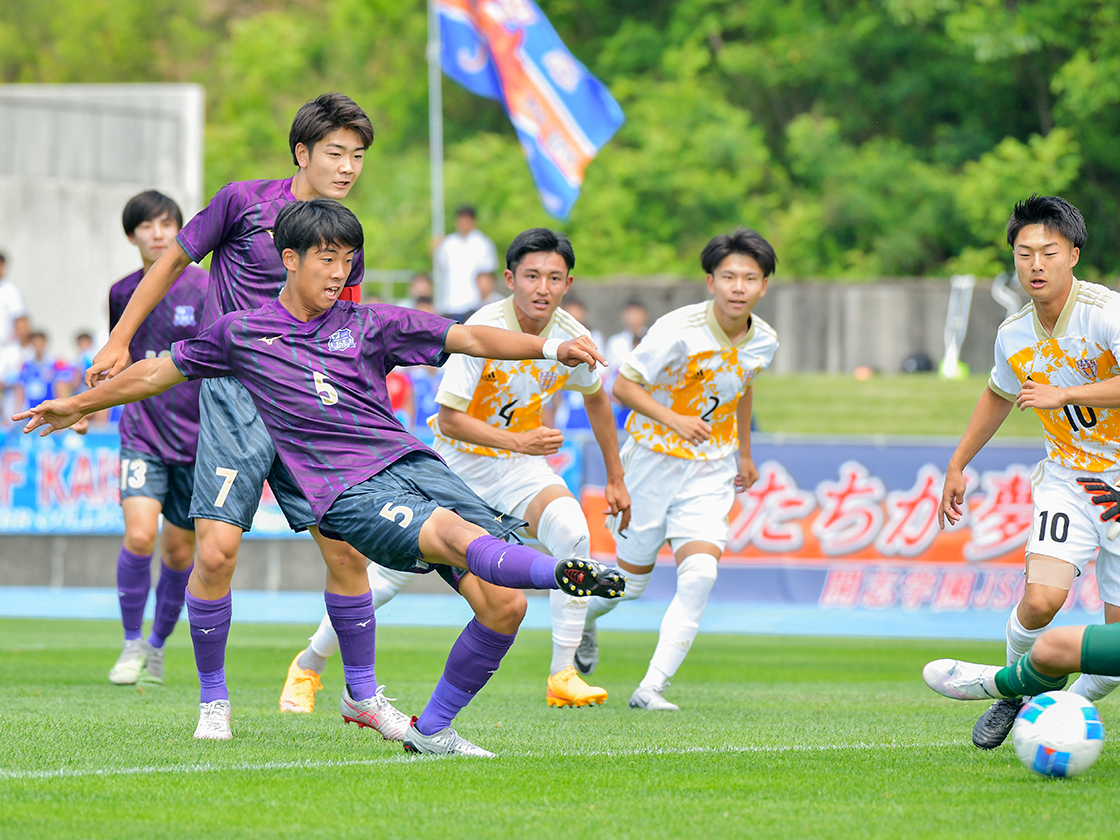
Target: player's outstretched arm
pixel 461 426
pixel 1039 395
pixel 114 357
pixel 990 412
pixel 146 378
pixel 601 417
pixel 635 397
pixel 494 343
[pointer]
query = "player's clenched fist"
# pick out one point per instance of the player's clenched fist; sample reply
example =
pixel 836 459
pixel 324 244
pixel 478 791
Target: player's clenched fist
pixel 540 441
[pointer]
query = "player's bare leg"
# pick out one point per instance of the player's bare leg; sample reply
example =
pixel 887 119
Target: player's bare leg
pixel 1094 687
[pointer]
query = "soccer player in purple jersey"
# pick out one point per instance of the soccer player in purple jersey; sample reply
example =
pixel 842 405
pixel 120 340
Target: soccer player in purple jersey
pixel 158 441
pixel 316 370
pixel 235 456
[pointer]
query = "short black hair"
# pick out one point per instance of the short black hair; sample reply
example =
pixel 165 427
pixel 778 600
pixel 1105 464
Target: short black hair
pixel 147 207
pixel 3 257
pixel 324 114
pixel 466 210
pixel 1051 212
pixel 539 241
pixel 302 225
pixel 740 241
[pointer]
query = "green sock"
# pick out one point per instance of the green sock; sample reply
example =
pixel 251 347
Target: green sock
pixel 1022 680
pixel 1100 650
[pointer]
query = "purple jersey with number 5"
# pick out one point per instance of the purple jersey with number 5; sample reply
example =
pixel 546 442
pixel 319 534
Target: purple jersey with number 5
pixel 320 386
pixel 236 227
pixel 164 426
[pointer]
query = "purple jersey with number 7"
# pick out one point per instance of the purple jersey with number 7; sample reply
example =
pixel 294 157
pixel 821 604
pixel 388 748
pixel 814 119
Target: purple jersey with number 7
pixel 236 226
pixel 164 426
pixel 320 385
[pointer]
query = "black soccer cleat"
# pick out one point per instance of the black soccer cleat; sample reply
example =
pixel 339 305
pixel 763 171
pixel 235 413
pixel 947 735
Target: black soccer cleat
pixel 994 725
pixel 586 577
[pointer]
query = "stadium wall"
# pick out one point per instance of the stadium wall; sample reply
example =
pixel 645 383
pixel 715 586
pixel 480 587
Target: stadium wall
pixel 70 157
pixel 827 327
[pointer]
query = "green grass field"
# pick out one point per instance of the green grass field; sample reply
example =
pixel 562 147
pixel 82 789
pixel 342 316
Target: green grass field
pixel 777 737
pixel 916 404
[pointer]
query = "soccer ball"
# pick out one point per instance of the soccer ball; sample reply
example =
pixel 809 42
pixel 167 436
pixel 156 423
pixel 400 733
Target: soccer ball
pixel 1058 733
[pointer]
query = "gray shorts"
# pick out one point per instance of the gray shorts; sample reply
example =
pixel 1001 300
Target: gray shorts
pixel 235 457
pixel 382 516
pixel 147 477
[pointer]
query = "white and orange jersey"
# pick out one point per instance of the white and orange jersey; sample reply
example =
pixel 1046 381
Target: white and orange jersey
pixel 505 394
pixel 687 363
pixel 1083 348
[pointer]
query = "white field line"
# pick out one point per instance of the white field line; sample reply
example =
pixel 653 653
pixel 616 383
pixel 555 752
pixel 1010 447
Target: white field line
pixel 312 764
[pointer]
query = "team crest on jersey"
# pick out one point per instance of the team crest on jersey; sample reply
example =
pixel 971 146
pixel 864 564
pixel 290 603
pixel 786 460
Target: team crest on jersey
pixel 341 340
pixel 547 379
pixel 1088 368
pixel 184 316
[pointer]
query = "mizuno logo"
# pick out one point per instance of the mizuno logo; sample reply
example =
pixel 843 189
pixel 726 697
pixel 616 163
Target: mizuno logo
pixel 205 631
pixel 364 623
pixel 269 341
pixel 500 559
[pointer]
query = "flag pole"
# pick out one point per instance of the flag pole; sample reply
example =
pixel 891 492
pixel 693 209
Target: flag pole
pixel 435 138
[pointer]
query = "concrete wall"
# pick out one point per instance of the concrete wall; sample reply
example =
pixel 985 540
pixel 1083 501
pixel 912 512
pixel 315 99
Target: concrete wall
pixel 825 327
pixel 70 157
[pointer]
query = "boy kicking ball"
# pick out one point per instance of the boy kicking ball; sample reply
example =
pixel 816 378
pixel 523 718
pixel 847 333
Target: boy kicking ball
pixel 688 384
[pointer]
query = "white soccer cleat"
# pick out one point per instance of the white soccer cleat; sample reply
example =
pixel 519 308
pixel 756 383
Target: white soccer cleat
pixel 445 742
pixel 127 668
pixel 645 697
pixel 213 721
pixel 962 680
pixel 377 713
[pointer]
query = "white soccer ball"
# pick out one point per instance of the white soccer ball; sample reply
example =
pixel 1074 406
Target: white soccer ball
pixel 1058 733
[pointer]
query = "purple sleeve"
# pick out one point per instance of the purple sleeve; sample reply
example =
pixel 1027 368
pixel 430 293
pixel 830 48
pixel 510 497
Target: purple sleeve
pixel 207 355
pixel 357 269
pixel 210 226
pixel 116 306
pixel 409 336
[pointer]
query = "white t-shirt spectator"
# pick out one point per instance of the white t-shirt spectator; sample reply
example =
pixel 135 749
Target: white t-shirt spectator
pixel 458 260
pixel 12 307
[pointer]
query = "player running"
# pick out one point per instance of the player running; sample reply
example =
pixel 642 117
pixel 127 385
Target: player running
pixel 328 140
pixel 1046 357
pixel 490 432
pixel 158 441
pixel 315 369
pixel 688 384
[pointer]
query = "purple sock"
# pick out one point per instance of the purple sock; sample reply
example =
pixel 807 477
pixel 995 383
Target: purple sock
pixel 171 589
pixel 474 657
pixel 134 579
pixel 512 565
pixel 354 624
pixel 209 621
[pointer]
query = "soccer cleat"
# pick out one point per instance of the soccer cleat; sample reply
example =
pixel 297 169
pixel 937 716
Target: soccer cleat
pixel 962 680
pixel 152 672
pixel 586 577
pixel 377 713
pixel 992 728
pixel 127 668
pixel 587 654
pixel 299 689
pixel 565 688
pixel 445 742
pixel 213 721
pixel 646 697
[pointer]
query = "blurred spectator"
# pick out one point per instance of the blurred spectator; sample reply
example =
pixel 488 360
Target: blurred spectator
pixel 425 384
pixel 425 304
pixel 43 377
pixel 635 322
pixel 15 332
pixel 399 386
pixel 83 343
pixel 419 287
pixel 459 257
pixel 575 307
pixel 566 411
pixel 487 286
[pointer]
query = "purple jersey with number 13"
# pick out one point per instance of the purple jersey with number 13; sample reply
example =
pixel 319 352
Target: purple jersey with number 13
pixel 236 226
pixel 164 426
pixel 320 386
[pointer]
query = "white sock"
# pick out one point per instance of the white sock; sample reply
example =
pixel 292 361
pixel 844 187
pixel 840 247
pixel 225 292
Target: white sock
pixel 384 583
pixel 1094 687
pixel 696 575
pixel 563 532
pixel 1019 638
pixel 635 586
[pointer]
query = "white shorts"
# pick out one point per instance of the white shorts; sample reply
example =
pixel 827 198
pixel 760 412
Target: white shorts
pixel 1067 525
pixel 506 484
pixel 676 499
